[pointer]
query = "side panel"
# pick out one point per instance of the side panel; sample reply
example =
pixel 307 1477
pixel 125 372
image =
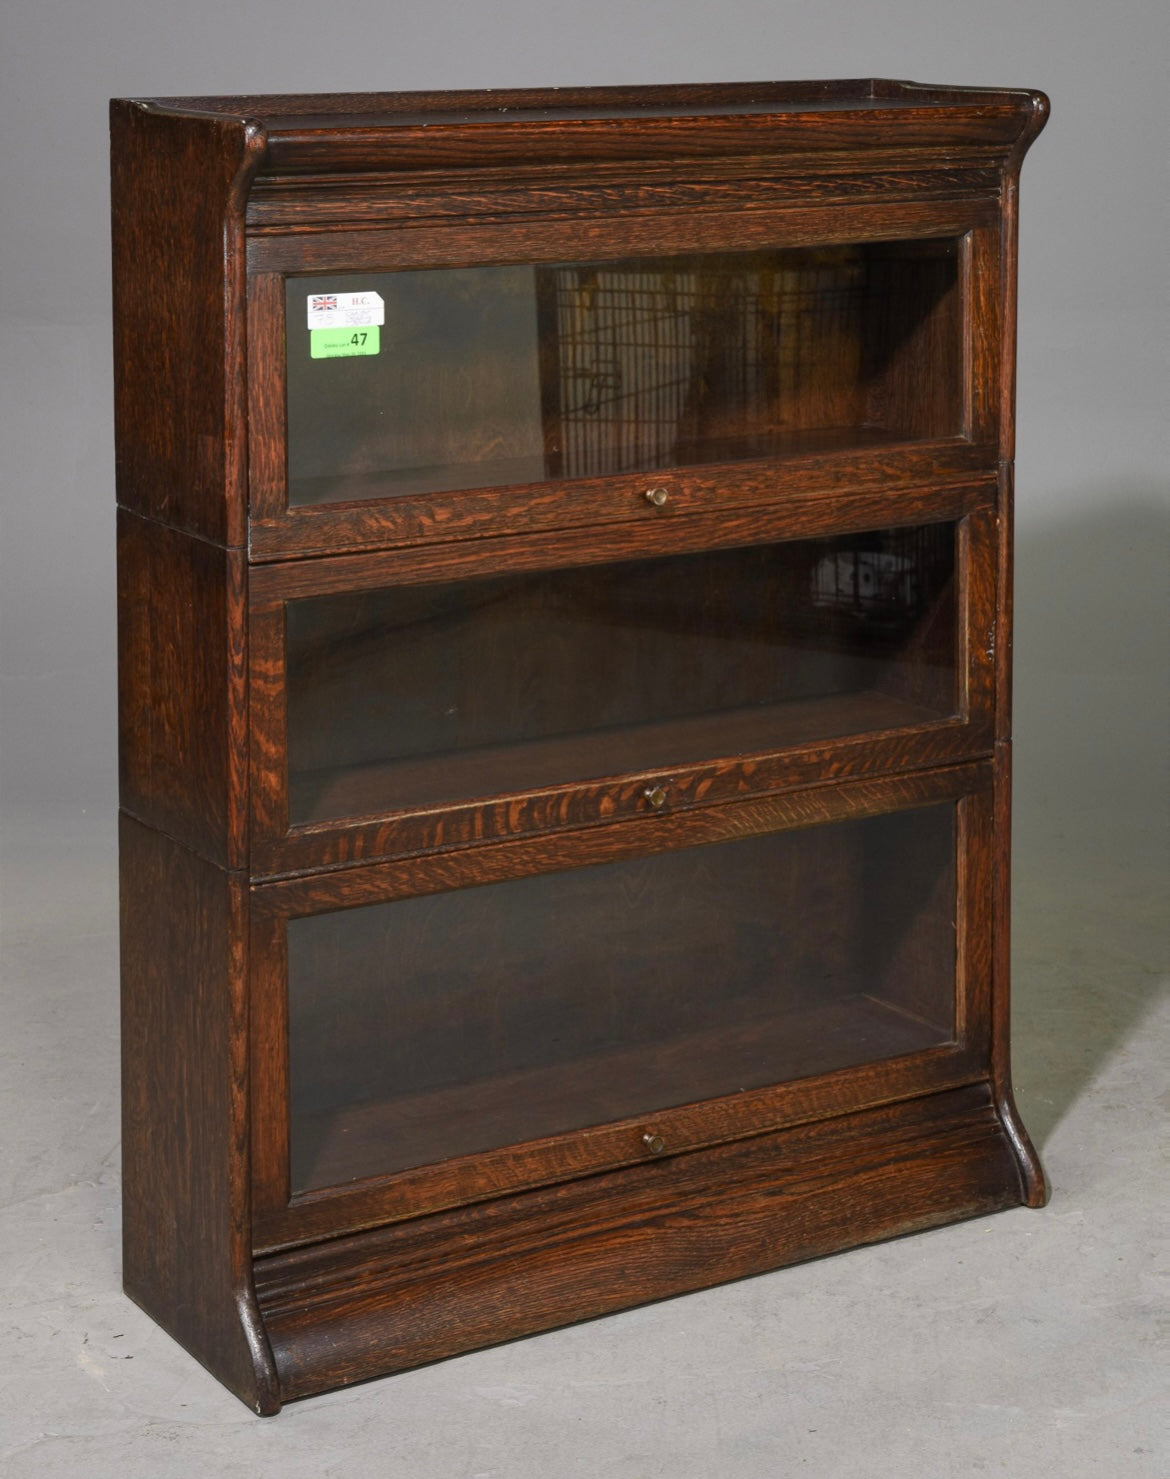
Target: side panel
pixel 181 687
pixel 184 1108
pixel 177 186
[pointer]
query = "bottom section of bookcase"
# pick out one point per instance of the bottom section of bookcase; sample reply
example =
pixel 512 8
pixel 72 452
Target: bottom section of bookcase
pixel 385 1300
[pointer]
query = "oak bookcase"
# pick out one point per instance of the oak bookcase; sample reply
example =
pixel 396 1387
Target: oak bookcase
pixel 565 633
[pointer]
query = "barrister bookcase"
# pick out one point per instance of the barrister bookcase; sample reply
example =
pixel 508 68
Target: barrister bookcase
pixel 565 635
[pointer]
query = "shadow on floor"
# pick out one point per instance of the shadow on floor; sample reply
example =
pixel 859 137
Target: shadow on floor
pixel 1091 925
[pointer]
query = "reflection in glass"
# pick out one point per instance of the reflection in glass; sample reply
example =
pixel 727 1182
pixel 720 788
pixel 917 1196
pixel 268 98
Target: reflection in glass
pixel 489 376
pixel 483 1017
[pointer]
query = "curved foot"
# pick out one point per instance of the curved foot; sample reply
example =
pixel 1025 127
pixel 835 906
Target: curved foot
pixel 1033 1185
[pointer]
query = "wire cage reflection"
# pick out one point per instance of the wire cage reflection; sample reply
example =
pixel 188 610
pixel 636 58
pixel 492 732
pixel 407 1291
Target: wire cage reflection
pixel 887 578
pixel 654 360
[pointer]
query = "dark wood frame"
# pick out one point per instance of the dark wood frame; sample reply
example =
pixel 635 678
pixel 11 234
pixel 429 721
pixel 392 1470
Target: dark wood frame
pixel 214 200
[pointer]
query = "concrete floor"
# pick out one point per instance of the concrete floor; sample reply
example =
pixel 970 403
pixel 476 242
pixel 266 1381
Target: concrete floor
pixel 1028 1344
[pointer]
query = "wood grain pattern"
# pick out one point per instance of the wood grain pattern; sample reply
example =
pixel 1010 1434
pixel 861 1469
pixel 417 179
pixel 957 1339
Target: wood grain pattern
pixel 655 831
pixel 975 854
pixel 331 795
pixel 185 1173
pixel 268 730
pixel 281 1222
pixel 567 807
pixel 182 660
pixel 412 145
pixel 799 482
pixel 978 566
pixel 267 415
pixel 363 132
pixel 268 1070
pixel 985 331
pixel 395 1298
pixel 596 238
pixel 1005 539
pixel 282 1288
pixel 179 375
pixel 813 512
pixel 283 202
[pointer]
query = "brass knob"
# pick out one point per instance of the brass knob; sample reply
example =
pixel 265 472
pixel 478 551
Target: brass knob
pixel 656 796
pixel 653 1143
pixel 657 496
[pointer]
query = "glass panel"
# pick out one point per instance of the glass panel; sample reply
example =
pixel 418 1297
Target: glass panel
pixel 440 1026
pixel 420 695
pixel 488 376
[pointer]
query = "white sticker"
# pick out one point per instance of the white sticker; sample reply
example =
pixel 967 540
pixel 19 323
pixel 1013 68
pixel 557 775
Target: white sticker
pixel 345 310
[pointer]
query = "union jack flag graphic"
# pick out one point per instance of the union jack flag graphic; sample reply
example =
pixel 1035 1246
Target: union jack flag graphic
pixel 323 302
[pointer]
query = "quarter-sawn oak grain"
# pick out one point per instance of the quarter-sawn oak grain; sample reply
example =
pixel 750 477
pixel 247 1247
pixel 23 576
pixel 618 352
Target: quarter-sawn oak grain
pixel 284 1291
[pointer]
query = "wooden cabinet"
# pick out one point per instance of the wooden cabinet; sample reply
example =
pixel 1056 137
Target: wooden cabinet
pixel 564 620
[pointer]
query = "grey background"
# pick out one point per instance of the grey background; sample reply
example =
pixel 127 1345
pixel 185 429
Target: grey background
pixel 1028 1344
pixel 1092 402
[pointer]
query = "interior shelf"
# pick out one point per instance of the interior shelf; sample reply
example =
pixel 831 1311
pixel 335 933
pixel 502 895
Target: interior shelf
pixel 335 792
pixel 412 696
pixel 359 487
pixel 492 1014
pixel 338 1146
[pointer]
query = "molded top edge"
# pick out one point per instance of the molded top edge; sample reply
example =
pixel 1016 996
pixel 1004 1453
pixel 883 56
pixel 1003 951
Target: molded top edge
pixel 279 113
pixel 345 133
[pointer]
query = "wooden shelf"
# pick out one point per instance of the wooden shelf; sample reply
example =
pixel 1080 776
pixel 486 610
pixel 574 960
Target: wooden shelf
pixel 336 1146
pixel 361 487
pixel 400 785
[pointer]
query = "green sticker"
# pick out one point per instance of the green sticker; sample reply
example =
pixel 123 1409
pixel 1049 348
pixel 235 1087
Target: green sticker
pixel 339 343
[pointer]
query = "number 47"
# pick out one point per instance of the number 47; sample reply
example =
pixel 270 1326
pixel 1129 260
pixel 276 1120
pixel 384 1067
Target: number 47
pixel 359 338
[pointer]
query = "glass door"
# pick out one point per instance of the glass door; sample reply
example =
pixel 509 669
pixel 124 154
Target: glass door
pixel 417 695
pixel 461 1022
pixel 439 1029
pixel 407 712
pixel 490 376
pixel 513 385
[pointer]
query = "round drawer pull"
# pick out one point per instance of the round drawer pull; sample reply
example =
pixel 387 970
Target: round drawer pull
pixel 657 496
pixel 653 1143
pixel 656 796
